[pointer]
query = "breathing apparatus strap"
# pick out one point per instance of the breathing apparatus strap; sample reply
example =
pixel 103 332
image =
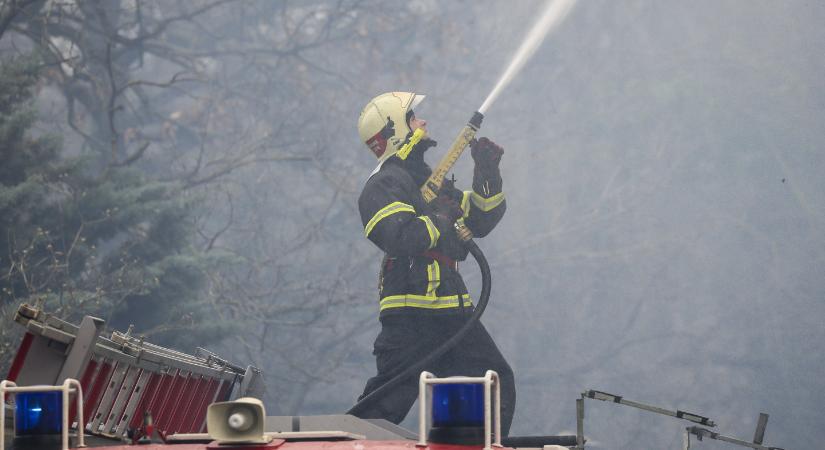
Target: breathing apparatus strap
pixel 443 259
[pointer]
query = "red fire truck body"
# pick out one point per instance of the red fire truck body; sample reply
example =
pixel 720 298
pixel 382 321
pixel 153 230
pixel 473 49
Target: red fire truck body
pixel 70 387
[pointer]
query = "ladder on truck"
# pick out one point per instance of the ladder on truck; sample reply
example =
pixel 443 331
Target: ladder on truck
pixel 123 377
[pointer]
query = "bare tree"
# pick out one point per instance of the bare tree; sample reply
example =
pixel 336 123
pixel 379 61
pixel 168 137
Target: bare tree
pixel 245 109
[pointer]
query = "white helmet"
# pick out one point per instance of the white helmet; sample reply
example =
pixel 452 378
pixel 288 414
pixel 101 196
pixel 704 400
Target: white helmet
pixel 383 122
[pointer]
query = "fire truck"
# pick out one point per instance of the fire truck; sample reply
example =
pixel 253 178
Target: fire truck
pixel 71 387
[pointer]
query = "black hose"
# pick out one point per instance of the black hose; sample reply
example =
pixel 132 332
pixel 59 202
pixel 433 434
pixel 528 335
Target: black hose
pixel 447 345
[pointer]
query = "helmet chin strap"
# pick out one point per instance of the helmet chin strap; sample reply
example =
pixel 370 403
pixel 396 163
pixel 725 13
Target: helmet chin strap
pixel 417 136
pixel 418 151
pixel 425 144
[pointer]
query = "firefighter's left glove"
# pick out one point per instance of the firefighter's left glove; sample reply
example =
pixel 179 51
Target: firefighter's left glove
pixel 486 154
pixel 486 175
pixel 445 212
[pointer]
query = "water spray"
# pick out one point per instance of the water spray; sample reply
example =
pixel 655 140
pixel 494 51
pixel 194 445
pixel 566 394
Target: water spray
pixel 554 13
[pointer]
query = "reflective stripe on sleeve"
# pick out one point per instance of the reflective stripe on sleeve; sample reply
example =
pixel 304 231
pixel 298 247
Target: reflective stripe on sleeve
pixel 424 302
pixel 392 208
pixel 486 204
pixel 465 204
pixel 431 230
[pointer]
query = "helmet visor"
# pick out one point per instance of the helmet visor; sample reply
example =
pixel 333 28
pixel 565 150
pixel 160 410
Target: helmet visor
pixel 415 101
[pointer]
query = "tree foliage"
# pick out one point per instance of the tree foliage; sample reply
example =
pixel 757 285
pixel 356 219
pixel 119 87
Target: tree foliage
pixel 112 244
pixel 213 119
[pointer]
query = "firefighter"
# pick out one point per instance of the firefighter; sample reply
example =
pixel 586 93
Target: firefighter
pixel 423 299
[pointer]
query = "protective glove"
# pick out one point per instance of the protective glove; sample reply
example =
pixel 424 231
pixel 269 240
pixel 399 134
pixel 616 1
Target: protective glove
pixel 486 175
pixel 448 189
pixel 486 153
pixel 445 212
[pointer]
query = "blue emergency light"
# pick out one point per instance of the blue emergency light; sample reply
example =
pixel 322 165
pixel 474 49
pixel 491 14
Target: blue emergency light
pixel 38 413
pixel 458 405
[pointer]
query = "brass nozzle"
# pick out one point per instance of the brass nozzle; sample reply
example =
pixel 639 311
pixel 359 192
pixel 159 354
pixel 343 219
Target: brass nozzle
pixel 464 233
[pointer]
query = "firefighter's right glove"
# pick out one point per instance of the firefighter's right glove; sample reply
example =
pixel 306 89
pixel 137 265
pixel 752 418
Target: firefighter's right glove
pixel 445 212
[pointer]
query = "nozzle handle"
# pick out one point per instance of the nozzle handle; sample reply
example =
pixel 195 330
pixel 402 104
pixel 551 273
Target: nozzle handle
pixel 433 184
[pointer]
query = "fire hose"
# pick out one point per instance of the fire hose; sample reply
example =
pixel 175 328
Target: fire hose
pixel 416 368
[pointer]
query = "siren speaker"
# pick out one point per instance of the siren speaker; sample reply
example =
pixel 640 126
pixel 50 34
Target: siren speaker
pixel 237 422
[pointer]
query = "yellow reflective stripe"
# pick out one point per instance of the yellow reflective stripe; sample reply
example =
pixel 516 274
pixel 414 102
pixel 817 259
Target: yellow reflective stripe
pixel 433 278
pixel 465 204
pixel 486 204
pixel 405 150
pixel 424 302
pixel 431 230
pixel 392 208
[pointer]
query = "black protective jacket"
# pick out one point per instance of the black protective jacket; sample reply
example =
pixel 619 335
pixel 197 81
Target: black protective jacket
pixel 415 276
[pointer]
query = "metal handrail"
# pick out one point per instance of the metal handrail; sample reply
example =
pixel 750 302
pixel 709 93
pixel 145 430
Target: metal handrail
pixel 68 387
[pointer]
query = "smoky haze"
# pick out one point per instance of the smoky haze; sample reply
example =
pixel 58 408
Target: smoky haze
pixel 665 230
pixel 664 233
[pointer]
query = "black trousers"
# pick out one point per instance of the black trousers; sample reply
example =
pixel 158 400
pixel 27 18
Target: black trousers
pixel 407 339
